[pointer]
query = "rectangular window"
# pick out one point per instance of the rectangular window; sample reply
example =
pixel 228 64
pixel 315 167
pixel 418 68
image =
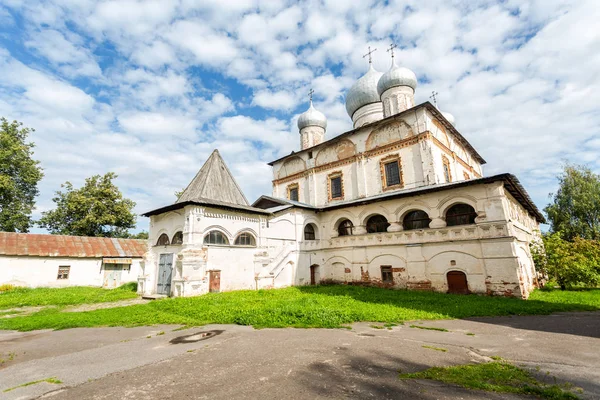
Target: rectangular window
pixel 392 173
pixel 386 274
pixel 294 194
pixel 63 272
pixel 336 187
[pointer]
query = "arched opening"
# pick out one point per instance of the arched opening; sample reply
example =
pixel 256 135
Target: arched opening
pixel 310 232
pixel 345 228
pixel 163 240
pixel 177 238
pixel 460 214
pixel 245 239
pixel 457 282
pixel 314 274
pixel 215 237
pixel 416 219
pixel 377 223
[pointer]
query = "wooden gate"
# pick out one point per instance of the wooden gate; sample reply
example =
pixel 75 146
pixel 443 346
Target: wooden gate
pixel 214 284
pixel 457 282
pixel 165 271
pixel 112 275
pixel 314 270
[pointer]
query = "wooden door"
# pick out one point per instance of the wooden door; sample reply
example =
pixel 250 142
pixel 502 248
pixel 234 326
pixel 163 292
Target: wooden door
pixel 214 284
pixel 165 272
pixel 313 274
pixel 457 282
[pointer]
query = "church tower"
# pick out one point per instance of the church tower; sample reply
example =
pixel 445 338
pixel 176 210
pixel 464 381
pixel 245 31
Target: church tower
pixel 397 88
pixel 312 125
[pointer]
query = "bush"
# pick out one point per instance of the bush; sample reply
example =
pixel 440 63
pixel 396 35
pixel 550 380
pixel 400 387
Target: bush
pixel 7 287
pixel 570 264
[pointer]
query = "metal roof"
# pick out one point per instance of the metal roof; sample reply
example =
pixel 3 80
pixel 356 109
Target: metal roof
pixel 41 245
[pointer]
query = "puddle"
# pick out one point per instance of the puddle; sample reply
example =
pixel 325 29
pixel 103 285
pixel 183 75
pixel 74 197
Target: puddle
pixel 196 337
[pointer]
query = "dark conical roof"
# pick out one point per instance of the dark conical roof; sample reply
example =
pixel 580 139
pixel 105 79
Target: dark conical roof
pixel 214 182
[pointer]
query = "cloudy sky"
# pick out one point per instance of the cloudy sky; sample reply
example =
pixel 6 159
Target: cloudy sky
pixel 148 89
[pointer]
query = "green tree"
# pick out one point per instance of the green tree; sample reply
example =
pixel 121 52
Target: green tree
pixel 140 235
pixel 571 263
pixel 575 207
pixel 19 177
pixel 96 209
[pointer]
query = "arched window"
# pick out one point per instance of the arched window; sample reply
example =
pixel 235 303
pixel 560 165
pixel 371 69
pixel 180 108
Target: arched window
pixel 177 238
pixel 310 232
pixel 163 240
pixel 345 228
pixel 215 237
pixel 416 220
pixel 245 239
pixel 377 223
pixel 460 214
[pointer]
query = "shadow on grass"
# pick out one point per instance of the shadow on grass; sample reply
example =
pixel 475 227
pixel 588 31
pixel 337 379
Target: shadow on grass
pixel 493 310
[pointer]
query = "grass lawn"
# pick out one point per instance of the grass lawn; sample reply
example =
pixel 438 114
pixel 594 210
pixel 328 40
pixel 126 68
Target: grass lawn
pixel 308 307
pixel 22 297
pixel 494 377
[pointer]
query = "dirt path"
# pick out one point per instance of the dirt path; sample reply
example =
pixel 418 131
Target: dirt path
pixel 23 311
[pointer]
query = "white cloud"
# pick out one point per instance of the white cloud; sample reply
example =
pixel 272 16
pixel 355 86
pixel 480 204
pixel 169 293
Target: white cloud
pixel 283 100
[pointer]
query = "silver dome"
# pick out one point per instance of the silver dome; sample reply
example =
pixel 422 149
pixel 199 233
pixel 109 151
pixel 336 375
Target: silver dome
pixel 396 76
pixel 449 117
pixel 312 117
pixel 363 92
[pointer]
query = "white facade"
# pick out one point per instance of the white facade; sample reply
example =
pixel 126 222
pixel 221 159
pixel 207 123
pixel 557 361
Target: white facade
pixel 399 202
pixel 34 271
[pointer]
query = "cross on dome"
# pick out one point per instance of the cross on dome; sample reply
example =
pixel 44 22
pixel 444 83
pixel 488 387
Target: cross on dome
pixel 391 49
pixel 434 98
pixel 310 94
pixel 369 54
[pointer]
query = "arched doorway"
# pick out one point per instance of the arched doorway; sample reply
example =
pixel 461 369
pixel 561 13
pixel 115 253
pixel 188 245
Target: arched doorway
pixel 314 274
pixel 457 282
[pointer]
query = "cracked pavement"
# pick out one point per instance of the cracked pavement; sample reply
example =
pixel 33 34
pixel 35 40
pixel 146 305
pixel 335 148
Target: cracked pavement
pixel 142 363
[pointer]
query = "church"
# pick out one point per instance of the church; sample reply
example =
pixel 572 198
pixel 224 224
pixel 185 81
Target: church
pixel 400 201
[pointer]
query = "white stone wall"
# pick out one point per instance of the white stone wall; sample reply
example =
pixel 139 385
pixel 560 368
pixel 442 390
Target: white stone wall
pixel 43 271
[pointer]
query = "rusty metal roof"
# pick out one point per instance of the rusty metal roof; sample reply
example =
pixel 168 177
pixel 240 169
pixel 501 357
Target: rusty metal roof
pixel 40 245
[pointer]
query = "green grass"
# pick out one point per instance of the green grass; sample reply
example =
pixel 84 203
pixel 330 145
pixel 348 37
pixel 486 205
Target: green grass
pixel 430 328
pixel 494 377
pixel 47 380
pixel 22 297
pixel 307 307
pixel 435 348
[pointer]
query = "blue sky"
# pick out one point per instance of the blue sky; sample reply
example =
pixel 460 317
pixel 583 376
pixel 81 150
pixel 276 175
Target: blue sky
pixel 148 89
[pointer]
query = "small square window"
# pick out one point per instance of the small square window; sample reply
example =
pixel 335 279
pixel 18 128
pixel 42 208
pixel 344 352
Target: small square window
pixel 392 174
pixel 386 274
pixel 63 272
pixel 310 155
pixel 336 187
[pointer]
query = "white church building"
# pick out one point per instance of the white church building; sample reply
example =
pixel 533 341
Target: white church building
pixel 400 201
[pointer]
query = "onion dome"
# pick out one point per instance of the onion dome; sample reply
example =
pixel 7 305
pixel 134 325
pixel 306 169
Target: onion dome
pixel 449 117
pixel 312 117
pixel 396 76
pixel 363 92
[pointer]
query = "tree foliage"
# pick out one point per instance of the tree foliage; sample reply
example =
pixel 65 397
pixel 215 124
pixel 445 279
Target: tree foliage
pixel 575 207
pixel 96 209
pixel 19 176
pixel 570 263
pixel 140 235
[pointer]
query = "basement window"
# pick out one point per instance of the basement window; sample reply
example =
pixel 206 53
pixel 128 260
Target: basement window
pixel 386 274
pixel 63 272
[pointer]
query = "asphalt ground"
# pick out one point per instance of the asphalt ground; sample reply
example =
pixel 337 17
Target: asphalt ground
pixel 229 361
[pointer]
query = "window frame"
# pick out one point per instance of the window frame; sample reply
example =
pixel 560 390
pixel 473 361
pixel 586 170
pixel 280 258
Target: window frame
pixel 178 234
pixel 314 232
pixel 330 178
pixel 204 242
pixel 421 219
pixel 61 274
pixel 472 215
pixel 383 163
pixel 158 243
pixel 377 225
pixel 245 235
pixel 446 169
pixel 387 270
pixel 351 227
pixel 290 188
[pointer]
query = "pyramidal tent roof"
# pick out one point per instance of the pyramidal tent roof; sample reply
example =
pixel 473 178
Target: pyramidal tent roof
pixel 214 182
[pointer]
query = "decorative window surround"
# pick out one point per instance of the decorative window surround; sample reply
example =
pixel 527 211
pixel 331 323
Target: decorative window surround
pixel 384 179
pixel 330 177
